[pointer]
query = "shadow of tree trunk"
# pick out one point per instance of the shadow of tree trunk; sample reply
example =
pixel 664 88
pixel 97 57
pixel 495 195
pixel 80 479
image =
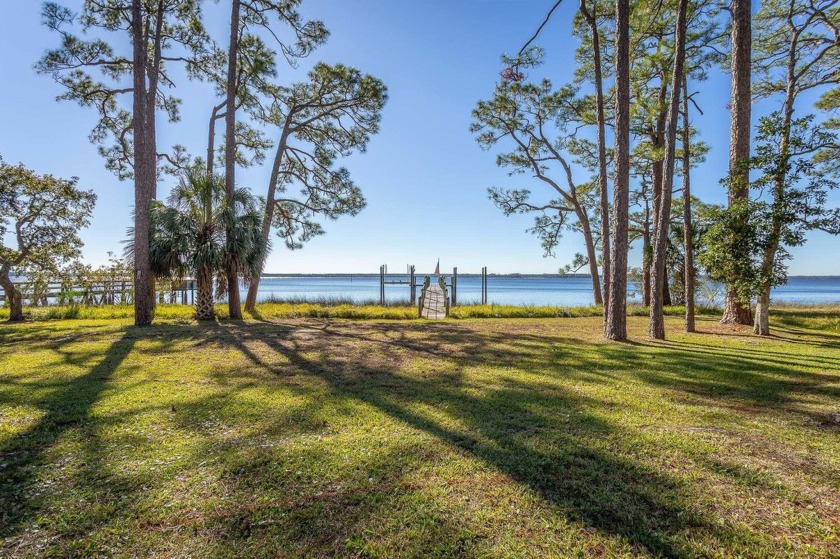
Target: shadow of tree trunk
pixel 63 410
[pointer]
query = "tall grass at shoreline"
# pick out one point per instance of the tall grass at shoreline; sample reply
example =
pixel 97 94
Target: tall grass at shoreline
pixel 331 307
pixel 825 317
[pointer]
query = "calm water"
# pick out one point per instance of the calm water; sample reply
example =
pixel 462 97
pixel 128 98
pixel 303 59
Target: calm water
pixel 520 290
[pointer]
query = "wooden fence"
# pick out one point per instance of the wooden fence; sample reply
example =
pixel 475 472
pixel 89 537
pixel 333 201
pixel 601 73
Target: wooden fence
pixel 110 291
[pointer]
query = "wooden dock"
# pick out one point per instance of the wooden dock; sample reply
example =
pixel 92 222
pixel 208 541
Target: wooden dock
pixel 434 303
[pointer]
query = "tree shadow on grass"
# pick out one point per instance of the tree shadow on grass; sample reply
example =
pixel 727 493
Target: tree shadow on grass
pixel 63 409
pixel 331 513
pixel 550 439
pixel 795 335
pixel 758 375
pixel 545 438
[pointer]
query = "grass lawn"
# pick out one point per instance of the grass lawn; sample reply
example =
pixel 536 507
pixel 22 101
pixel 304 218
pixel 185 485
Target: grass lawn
pixel 463 438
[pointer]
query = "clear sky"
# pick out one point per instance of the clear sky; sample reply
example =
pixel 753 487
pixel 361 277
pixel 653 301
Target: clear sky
pixel 424 176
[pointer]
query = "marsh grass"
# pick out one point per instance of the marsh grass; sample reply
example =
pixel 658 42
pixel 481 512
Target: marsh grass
pixel 333 307
pixel 324 437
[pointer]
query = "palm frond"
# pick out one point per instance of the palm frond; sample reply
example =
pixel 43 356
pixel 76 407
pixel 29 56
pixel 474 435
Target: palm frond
pixel 199 229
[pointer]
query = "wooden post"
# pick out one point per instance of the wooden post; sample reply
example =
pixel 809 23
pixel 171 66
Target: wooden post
pixel 382 285
pixel 454 286
pixel 484 285
pixel 412 288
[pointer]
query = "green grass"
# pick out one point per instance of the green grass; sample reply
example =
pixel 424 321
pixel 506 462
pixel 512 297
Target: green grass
pixel 323 437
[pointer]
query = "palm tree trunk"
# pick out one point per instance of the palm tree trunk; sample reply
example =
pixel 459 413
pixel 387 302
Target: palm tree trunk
pixel 204 309
pixel 615 327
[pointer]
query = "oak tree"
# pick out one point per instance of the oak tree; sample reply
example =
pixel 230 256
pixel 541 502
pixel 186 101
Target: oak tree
pixel 40 219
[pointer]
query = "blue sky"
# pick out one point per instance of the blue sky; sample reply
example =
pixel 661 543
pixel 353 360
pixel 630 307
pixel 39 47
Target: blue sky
pixel 424 177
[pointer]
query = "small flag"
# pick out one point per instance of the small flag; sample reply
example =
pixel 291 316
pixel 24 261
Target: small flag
pixel 437 268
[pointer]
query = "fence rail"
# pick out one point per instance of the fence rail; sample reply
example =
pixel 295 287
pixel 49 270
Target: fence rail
pixel 110 291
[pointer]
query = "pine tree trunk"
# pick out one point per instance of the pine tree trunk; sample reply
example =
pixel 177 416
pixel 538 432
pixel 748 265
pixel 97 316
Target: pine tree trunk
pixel 254 285
pixel 234 307
pixel 657 140
pixel 659 288
pixel 647 261
pixel 600 120
pixel 735 312
pixel 251 297
pixel 153 75
pixel 211 141
pixel 583 218
pixel 616 324
pixel 761 326
pixel 253 288
pixel 144 181
pixel 688 229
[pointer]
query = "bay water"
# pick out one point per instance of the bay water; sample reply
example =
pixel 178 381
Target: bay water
pixel 517 289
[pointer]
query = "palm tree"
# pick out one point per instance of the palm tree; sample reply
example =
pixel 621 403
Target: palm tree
pixel 189 236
